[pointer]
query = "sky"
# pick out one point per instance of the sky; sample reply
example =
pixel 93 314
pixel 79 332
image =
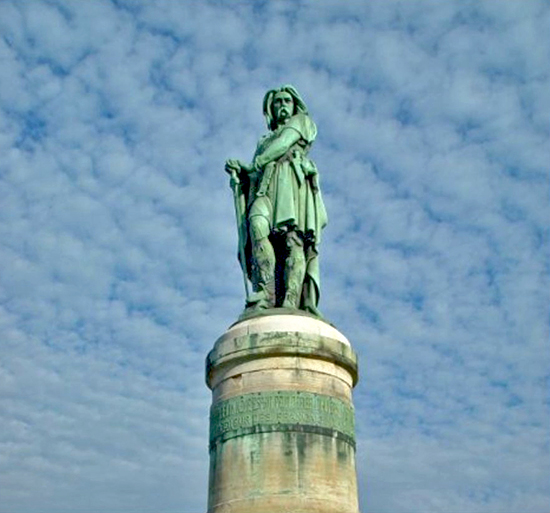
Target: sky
pixel 118 266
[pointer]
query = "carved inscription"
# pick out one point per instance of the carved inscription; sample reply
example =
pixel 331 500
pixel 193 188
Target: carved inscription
pixel 284 407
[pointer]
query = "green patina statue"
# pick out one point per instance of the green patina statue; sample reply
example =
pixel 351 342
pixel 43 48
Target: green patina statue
pixel 280 210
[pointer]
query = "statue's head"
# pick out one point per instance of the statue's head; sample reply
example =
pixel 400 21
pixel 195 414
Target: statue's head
pixel 282 103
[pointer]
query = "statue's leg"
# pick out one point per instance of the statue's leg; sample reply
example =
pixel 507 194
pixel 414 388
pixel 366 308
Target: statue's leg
pixel 295 270
pixel 263 261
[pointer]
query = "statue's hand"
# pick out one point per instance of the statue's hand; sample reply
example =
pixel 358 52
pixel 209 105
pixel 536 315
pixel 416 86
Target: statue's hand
pixel 309 168
pixel 233 166
pixel 238 166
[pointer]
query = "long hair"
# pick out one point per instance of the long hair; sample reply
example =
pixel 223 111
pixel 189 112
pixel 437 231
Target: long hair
pixel 299 104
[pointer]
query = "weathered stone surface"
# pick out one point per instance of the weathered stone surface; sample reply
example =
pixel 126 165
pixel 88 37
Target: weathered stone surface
pixel 282 373
pixel 282 428
pixel 281 472
pixel 281 319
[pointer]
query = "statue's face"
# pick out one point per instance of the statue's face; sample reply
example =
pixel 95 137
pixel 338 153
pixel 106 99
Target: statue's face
pixel 283 107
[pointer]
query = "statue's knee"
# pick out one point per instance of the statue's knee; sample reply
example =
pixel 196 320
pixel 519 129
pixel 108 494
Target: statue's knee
pixel 259 228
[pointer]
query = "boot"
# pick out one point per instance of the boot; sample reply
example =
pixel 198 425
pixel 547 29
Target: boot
pixel 264 275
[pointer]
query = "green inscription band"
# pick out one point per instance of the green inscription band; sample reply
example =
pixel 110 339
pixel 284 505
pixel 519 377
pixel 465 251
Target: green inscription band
pixel 282 409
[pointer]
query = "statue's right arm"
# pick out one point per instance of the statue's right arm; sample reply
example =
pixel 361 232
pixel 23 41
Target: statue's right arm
pixel 278 147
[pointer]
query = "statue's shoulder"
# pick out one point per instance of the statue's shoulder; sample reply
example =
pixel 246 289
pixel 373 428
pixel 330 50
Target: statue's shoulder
pixel 304 125
pixel 264 141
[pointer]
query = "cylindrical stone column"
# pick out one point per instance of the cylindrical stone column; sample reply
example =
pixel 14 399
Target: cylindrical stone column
pixel 282 420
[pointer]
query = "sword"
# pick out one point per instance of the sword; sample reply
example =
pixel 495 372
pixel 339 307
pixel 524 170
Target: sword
pixel 235 184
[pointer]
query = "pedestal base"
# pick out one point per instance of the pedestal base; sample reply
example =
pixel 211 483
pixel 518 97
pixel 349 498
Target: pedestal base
pixel 281 423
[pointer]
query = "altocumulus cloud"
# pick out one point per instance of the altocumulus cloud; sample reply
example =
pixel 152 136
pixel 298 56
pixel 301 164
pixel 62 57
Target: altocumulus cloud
pixel 117 240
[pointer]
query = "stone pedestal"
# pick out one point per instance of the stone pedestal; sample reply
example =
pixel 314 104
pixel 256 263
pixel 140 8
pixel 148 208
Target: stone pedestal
pixel 282 422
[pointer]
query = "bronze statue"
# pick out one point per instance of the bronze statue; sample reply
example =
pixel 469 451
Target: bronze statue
pixel 280 210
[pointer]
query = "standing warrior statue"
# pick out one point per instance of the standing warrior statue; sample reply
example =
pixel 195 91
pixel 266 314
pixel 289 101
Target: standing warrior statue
pixel 280 211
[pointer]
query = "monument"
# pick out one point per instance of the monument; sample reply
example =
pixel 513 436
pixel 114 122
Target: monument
pixel 282 436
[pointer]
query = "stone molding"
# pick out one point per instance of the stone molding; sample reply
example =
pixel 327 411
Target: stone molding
pixel 235 350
